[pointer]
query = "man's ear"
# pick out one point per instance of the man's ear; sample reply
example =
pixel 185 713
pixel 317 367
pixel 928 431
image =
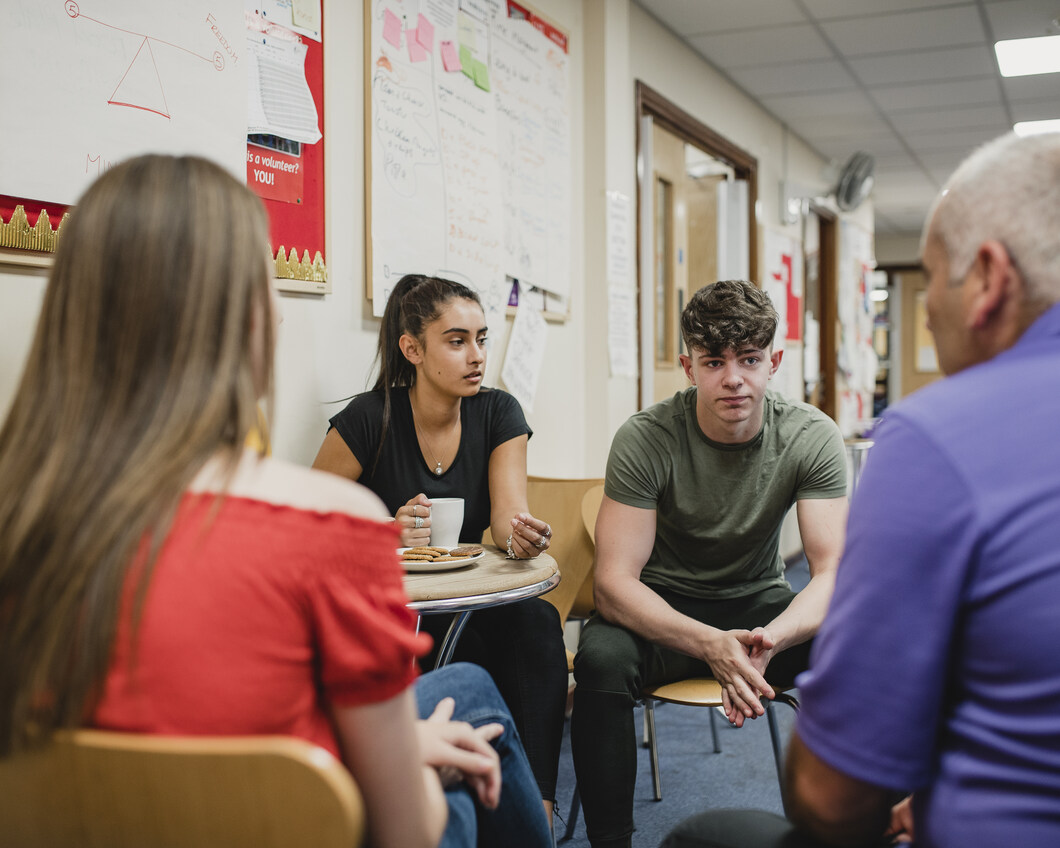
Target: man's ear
pixel 774 361
pixel 410 348
pixel 993 283
pixel 686 363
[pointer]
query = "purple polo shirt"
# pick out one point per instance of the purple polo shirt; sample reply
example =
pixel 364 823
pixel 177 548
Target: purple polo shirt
pixel 938 666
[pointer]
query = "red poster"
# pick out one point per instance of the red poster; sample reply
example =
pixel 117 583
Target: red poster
pixel 794 302
pixel 274 175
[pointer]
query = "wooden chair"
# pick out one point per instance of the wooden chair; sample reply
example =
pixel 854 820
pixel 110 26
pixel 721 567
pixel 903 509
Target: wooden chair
pixel 703 692
pixel 559 502
pixel 97 789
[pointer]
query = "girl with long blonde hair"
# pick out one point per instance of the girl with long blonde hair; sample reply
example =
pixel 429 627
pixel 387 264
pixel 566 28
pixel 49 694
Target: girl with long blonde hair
pixel 156 577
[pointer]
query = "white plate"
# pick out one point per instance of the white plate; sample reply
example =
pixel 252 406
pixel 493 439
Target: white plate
pixel 420 566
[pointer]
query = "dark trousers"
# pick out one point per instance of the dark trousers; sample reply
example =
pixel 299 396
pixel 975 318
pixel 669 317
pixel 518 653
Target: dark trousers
pixel 521 646
pixel 744 829
pixel 613 665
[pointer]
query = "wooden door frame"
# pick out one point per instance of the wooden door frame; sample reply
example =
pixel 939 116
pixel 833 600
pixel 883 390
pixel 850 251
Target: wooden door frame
pixel 690 129
pixel 829 299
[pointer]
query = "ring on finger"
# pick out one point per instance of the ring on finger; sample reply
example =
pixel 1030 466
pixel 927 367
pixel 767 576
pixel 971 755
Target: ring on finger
pixel 419 522
pixel 414 508
pixel 540 543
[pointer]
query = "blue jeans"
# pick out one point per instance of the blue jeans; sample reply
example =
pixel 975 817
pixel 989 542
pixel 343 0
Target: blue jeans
pixel 521 646
pixel 519 819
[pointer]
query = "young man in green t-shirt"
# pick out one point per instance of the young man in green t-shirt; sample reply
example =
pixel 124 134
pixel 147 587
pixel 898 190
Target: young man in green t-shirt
pixel 689 578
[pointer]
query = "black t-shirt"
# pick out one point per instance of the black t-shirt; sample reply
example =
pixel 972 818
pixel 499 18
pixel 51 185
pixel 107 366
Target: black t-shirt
pixel 487 419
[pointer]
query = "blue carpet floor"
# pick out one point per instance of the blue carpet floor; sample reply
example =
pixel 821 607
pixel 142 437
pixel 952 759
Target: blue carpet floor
pixel 694 778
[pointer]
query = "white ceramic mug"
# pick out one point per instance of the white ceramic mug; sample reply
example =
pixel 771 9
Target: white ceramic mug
pixel 447 517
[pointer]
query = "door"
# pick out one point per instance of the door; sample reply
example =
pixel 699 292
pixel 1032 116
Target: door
pixel 696 206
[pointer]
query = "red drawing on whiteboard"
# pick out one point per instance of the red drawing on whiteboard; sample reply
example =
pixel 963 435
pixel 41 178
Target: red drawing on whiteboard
pixel 140 87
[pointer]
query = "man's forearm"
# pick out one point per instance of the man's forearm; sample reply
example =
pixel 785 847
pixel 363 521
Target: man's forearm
pixel 803 616
pixel 837 809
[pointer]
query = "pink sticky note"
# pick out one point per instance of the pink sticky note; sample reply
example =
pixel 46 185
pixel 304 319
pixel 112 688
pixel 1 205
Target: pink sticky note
pixel 450 58
pixel 416 51
pixel 392 28
pixel 425 33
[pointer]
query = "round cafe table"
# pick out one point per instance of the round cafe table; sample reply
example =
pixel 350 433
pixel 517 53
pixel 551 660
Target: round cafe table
pixel 491 581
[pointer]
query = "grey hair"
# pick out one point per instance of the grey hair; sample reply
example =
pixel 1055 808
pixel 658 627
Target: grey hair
pixel 1007 190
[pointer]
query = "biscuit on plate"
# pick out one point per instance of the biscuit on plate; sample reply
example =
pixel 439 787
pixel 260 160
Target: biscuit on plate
pixel 466 551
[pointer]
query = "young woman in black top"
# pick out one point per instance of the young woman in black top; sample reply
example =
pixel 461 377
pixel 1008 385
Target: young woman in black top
pixel 430 429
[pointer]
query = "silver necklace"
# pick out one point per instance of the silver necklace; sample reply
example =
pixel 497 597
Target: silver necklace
pixel 437 462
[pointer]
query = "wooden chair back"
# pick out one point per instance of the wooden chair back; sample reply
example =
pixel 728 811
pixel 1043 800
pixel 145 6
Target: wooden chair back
pixel 97 789
pixel 558 501
pixel 590 506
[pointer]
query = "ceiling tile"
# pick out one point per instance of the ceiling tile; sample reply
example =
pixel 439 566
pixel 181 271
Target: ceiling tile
pixel 962 142
pixel 1036 110
pixel 976 117
pixel 944 95
pixel 927 29
pixel 694 17
pixel 763 46
pixel 852 103
pixel 842 127
pixel 925 65
pixel 852 8
pixel 793 78
pixel 839 145
pixel 1037 87
pixel 894 160
pixel 1022 18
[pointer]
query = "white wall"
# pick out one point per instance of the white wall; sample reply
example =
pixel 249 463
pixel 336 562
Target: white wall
pixel 327 344
pixel 21 295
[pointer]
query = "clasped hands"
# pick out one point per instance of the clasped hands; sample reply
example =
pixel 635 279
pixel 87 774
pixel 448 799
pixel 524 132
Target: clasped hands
pixel 738 660
pixel 458 751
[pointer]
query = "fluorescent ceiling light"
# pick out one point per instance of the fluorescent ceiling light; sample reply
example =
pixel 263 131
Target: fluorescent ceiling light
pixel 1022 56
pixel 1035 127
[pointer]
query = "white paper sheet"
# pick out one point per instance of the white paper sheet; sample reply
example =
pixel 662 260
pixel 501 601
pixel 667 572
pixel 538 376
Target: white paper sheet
pixel 526 351
pixel 279 101
pixel 619 239
pixel 622 330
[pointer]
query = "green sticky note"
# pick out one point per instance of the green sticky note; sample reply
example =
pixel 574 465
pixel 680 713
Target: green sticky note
pixel 467 61
pixel 482 76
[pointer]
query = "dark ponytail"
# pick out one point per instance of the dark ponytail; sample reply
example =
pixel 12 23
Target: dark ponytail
pixel 414 303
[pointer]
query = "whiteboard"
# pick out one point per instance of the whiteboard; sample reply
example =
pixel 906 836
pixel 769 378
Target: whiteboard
pixel 468 125
pixel 102 80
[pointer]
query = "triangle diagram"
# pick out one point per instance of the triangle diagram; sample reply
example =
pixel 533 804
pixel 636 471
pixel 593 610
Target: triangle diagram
pixel 141 87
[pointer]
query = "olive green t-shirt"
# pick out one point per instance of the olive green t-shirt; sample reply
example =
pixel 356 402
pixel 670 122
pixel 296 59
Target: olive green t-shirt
pixel 719 507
